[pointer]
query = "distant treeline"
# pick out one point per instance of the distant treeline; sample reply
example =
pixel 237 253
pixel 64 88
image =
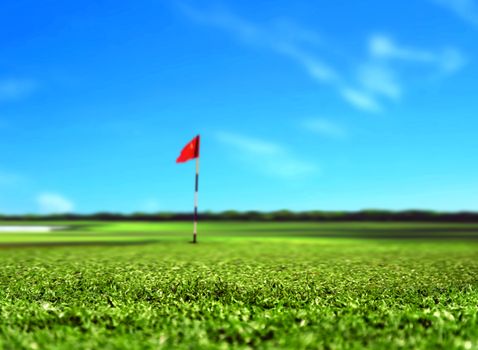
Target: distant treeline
pixel 283 215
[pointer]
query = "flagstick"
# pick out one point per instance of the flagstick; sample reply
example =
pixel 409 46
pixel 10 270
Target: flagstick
pixel 196 202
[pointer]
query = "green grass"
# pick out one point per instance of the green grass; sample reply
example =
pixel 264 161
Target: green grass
pixel 246 285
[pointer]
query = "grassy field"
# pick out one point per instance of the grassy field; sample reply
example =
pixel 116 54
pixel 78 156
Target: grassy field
pixel 246 285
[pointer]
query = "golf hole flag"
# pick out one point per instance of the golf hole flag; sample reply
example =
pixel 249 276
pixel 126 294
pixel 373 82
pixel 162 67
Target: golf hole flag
pixel 191 151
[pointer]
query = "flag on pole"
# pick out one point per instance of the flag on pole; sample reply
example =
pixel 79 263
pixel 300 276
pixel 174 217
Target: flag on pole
pixel 191 151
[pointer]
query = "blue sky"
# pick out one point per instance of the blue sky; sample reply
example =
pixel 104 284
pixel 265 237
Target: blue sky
pixel 330 105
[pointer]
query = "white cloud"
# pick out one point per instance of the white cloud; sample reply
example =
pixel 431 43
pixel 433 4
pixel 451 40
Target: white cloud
pixel 268 157
pixel 374 80
pixel 452 60
pixel 380 80
pixel 250 145
pixel 384 47
pixel 288 43
pixel 14 89
pixel 361 100
pixel 316 68
pixel 448 60
pixel 291 31
pixel 382 77
pixel 284 38
pixel 466 9
pixel 324 127
pixel 52 203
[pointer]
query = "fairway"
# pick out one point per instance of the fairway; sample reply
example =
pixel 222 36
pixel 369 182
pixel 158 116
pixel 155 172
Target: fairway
pixel 130 285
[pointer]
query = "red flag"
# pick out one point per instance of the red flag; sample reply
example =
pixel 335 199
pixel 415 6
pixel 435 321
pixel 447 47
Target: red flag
pixel 191 151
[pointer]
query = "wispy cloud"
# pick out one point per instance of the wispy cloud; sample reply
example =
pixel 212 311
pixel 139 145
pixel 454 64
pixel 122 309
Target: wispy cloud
pixel 377 79
pixel 316 68
pixel 52 203
pixel 285 38
pixel 380 80
pixel 361 99
pixel 270 158
pixel 384 73
pixel 466 9
pixel 325 128
pixel 288 40
pixel 15 89
pixel 295 33
pixel 448 60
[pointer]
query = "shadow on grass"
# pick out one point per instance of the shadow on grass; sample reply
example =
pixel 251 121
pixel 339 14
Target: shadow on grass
pixel 394 236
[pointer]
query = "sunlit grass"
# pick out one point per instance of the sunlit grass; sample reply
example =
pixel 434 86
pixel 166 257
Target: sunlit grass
pixel 243 286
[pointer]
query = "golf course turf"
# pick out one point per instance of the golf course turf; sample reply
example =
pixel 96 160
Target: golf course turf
pixel 131 285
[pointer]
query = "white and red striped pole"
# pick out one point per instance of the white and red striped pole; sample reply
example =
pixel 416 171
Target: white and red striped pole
pixel 196 202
